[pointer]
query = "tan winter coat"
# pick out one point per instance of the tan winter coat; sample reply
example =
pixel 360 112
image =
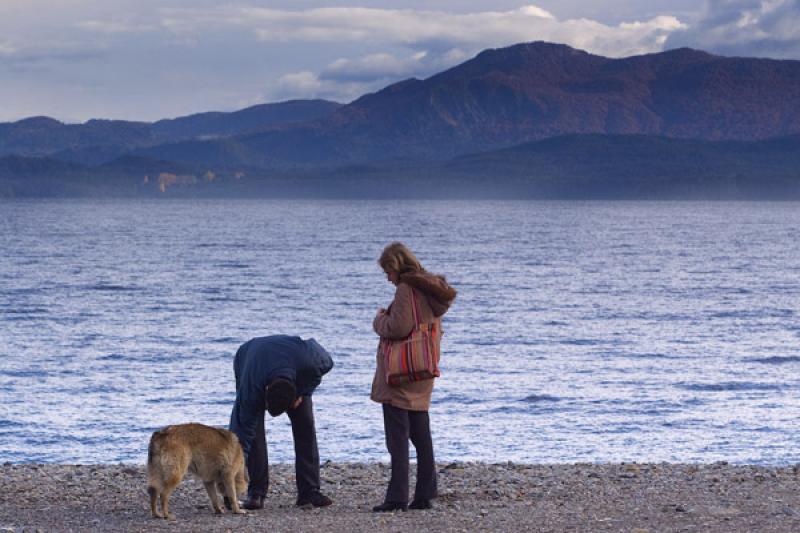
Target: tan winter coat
pixel 434 296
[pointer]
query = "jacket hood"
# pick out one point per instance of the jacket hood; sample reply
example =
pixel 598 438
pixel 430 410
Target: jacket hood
pixel 440 294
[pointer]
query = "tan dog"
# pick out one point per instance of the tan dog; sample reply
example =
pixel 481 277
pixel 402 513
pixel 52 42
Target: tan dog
pixel 212 454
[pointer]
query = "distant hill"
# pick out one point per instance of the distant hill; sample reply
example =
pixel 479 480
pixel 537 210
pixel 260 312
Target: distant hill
pixel 251 119
pixel 38 136
pixel 588 166
pixel 531 92
pixel 15 165
pixel 97 141
pixel 633 166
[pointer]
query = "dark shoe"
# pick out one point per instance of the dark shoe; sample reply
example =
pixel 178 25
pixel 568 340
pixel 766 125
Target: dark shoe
pixel 315 499
pixel 254 503
pixel 227 502
pixel 420 504
pixel 389 507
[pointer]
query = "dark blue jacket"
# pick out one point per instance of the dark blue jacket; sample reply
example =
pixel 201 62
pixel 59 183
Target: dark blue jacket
pixel 263 359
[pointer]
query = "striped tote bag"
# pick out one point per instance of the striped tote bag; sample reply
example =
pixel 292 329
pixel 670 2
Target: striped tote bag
pixel 414 358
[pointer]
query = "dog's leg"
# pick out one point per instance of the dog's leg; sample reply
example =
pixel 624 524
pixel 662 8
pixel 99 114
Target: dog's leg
pixel 165 505
pixel 212 494
pixel 169 486
pixel 230 492
pixel 153 492
pixel 225 500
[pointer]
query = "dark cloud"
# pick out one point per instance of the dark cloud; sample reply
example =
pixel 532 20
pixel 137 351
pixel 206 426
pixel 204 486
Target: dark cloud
pixel 768 28
pixel 33 62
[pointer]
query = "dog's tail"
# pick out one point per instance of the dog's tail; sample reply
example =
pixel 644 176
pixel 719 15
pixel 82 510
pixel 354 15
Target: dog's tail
pixel 153 484
pixel 153 454
pixel 153 448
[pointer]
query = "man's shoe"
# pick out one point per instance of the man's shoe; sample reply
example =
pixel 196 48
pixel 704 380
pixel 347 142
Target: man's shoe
pixel 389 507
pixel 420 504
pixel 314 499
pixel 254 503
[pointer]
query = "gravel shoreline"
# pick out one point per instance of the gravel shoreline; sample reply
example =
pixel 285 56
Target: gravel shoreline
pixel 636 498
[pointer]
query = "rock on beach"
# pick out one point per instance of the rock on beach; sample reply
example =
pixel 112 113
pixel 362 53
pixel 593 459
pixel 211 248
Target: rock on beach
pixel 640 498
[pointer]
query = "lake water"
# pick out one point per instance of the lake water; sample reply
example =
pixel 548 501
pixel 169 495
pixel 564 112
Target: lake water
pixel 583 331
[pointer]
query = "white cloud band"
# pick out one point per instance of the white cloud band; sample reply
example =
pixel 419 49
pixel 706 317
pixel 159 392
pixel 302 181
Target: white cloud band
pixel 422 29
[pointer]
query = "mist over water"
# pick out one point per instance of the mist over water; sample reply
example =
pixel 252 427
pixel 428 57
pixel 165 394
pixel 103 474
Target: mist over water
pixel 582 332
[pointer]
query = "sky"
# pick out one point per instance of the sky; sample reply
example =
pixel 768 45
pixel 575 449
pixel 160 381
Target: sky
pixel 74 60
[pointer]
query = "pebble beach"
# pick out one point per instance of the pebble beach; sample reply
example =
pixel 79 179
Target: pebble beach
pixel 628 497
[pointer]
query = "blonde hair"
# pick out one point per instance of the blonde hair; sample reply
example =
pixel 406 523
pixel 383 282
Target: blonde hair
pixel 399 259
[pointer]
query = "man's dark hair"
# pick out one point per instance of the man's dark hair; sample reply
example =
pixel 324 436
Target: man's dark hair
pixel 281 393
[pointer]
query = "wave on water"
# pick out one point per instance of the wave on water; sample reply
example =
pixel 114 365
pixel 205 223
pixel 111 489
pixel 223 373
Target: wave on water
pixel 538 398
pixel 111 287
pixel 113 357
pixel 231 264
pixel 221 401
pixel 96 389
pixel 24 373
pixel 775 359
pixel 25 311
pixel 226 246
pixel 754 313
pixel 23 315
pixel 531 404
pixel 461 399
pixel 728 386
pixel 653 356
pixel 581 342
pixel 226 340
pixel 494 341
pixel 224 299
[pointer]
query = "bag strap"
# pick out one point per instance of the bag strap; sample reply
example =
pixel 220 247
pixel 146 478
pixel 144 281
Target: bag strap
pixel 414 309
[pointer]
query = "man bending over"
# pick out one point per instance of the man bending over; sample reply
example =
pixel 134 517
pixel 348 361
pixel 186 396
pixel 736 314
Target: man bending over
pixel 278 374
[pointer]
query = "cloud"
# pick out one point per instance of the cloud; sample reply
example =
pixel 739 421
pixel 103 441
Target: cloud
pixel 768 28
pixel 374 66
pixel 306 84
pixel 6 49
pixel 423 30
pixel 347 79
pixel 38 57
pixel 116 26
pixel 410 43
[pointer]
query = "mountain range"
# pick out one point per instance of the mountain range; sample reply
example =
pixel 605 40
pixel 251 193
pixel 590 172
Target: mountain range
pixel 98 141
pixel 526 112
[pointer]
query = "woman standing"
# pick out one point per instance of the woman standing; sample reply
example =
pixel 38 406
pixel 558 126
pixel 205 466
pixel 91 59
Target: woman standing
pixel 405 406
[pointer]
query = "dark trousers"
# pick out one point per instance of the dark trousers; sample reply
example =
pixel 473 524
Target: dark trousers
pixel 306 453
pixel 400 425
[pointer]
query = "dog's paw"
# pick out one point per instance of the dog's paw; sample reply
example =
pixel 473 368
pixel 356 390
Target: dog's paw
pixel 240 511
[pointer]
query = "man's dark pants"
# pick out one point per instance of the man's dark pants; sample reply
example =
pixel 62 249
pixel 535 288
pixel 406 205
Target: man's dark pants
pixel 400 425
pixel 305 451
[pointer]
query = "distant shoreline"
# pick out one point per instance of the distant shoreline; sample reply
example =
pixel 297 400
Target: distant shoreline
pixel 716 497
pixel 567 167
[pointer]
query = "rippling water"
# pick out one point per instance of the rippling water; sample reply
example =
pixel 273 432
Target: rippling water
pixel 583 331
